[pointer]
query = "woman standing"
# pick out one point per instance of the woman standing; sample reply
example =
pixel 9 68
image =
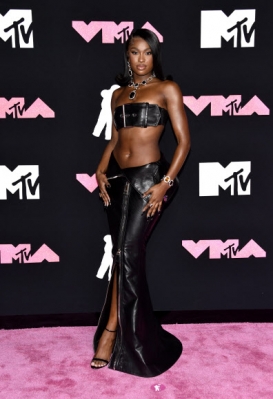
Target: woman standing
pixel 135 181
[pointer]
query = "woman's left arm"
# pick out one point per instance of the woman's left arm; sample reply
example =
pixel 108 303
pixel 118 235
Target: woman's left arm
pixel 178 118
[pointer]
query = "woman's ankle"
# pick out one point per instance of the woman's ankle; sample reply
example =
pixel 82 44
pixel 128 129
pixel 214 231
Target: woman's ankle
pixel 109 330
pixel 112 325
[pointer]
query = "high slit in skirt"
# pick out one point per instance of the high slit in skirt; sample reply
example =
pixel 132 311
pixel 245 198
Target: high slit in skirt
pixel 142 346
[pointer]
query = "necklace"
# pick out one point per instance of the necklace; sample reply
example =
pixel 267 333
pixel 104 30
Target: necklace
pixel 132 95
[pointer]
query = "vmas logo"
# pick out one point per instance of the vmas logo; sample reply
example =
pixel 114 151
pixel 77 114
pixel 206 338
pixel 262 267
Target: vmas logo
pixel 16 109
pixel 229 249
pixel 23 180
pixel 17 26
pixel 235 177
pixel 232 105
pixel 110 31
pixel 238 27
pixel 22 254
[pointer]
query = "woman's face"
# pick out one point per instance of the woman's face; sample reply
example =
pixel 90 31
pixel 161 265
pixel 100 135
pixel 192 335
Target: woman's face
pixel 140 57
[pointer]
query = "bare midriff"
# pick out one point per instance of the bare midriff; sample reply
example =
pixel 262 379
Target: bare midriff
pixel 138 146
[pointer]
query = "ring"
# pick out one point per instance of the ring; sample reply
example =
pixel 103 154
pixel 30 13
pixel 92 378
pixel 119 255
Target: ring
pixel 151 205
pixel 100 194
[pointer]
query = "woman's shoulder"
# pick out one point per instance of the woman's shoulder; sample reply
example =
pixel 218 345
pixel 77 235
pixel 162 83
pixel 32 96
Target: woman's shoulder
pixel 118 91
pixel 170 89
pixel 116 94
pixel 169 85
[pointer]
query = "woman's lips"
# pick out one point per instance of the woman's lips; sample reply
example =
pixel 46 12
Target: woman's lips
pixel 141 67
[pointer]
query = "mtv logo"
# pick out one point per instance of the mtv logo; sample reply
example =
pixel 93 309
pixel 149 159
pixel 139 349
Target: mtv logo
pixel 17 25
pixel 24 179
pixel 239 26
pixel 235 176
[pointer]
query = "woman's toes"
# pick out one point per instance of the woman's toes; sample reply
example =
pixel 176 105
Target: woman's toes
pixel 98 363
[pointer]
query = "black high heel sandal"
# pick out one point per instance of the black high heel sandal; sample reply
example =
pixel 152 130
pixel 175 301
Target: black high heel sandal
pixel 101 360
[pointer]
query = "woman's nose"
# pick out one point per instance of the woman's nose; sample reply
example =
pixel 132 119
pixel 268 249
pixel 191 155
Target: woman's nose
pixel 141 57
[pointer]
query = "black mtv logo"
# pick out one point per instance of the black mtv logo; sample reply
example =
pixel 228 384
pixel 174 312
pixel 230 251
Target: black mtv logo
pixel 231 251
pixel 125 34
pixel 234 107
pixel 17 110
pixel 17 29
pixel 23 255
pixel 238 180
pixel 241 28
pixel 26 183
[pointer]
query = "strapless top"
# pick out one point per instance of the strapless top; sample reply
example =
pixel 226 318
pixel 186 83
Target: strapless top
pixel 139 114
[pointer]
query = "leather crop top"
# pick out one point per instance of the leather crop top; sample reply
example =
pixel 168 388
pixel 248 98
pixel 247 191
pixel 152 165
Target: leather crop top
pixel 139 114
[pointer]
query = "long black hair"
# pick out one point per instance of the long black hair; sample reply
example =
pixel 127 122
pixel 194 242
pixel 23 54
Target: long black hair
pixel 151 38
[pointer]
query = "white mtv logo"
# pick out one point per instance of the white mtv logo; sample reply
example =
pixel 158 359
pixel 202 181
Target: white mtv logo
pixel 235 176
pixel 216 25
pixel 17 25
pixel 24 178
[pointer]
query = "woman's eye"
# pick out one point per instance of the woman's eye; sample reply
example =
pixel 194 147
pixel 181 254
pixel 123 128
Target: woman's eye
pixel 149 53
pixel 134 52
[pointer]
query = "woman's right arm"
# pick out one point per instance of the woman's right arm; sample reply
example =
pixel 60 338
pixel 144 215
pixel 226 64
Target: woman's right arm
pixel 103 164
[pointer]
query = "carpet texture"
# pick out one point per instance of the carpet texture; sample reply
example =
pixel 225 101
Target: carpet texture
pixel 219 361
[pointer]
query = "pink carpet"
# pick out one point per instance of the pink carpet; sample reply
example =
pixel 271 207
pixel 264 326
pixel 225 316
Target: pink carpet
pixel 219 361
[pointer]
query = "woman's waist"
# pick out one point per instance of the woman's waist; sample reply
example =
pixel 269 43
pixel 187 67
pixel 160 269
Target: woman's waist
pixel 150 166
pixel 127 158
pixel 141 177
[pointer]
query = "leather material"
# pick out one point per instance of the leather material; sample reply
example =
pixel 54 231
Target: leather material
pixel 142 346
pixel 139 114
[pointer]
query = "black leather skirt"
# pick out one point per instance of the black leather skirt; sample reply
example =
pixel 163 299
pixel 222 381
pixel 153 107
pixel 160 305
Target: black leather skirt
pixel 142 346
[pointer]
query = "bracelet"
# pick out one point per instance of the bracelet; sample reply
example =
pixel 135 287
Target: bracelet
pixel 167 180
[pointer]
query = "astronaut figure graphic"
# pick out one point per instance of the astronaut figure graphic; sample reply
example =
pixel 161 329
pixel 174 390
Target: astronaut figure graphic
pixel 105 116
pixel 107 259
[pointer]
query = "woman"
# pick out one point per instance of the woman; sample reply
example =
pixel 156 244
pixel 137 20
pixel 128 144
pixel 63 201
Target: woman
pixel 134 181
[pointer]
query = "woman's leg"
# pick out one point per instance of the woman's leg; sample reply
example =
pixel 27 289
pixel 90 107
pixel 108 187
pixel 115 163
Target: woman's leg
pixel 107 339
pixel 104 340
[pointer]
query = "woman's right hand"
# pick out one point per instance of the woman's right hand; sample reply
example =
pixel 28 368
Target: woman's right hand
pixel 103 183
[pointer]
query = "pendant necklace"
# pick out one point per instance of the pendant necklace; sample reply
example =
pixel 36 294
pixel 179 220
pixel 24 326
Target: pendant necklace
pixel 132 95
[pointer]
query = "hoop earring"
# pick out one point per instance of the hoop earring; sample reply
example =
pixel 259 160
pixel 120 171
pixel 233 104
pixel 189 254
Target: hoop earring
pixel 129 69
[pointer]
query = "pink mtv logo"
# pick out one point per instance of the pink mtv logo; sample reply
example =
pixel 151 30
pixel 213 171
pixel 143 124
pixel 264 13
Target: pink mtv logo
pixel 16 107
pixel 89 182
pixel 110 30
pixel 22 252
pixel 229 249
pixel 231 104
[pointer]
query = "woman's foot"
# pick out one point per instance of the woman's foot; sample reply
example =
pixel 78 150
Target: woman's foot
pixel 104 350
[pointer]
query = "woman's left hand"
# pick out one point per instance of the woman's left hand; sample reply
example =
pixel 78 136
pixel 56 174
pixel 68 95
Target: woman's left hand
pixel 156 193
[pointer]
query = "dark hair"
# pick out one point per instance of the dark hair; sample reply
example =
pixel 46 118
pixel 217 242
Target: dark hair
pixel 151 38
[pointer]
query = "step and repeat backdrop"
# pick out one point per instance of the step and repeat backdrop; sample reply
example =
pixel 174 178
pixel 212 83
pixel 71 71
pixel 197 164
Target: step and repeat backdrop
pixel 58 59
